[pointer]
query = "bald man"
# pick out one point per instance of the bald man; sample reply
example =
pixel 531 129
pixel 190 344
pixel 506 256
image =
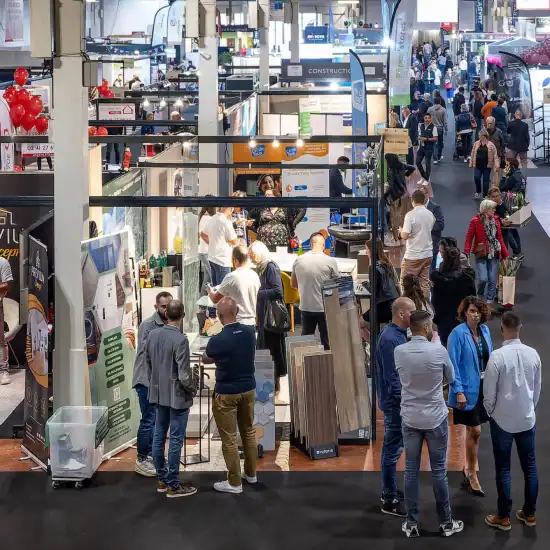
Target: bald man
pixel 233 351
pixel 242 284
pixel 309 273
pixel 389 401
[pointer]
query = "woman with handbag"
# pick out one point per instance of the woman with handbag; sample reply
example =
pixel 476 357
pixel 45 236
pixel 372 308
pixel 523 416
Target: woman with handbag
pixel 270 309
pixel 484 239
pixel 469 348
pixel 450 85
pixel 484 158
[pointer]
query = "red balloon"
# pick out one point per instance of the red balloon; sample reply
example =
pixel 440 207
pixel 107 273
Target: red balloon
pixel 23 97
pixel 92 130
pixel 104 83
pixel 21 76
pixel 10 95
pixel 544 59
pixel 535 59
pixel 28 121
pixel 17 112
pixel 35 105
pixel 17 168
pixel 103 90
pixel 109 94
pixel 102 131
pixel 41 124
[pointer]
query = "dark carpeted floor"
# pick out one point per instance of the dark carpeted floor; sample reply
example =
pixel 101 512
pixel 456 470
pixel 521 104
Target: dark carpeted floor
pixel 338 510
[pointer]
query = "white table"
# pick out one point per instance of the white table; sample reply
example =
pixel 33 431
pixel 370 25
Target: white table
pixel 286 262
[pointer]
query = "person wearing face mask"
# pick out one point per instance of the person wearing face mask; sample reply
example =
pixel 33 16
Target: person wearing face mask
pixel 469 348
pixel 421 367
pixel 140 382
pixel 389 400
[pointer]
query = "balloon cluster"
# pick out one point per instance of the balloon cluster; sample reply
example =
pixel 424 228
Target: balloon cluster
pixel 538 55
pixel 101 131
pixel 24 107
pixel 104 90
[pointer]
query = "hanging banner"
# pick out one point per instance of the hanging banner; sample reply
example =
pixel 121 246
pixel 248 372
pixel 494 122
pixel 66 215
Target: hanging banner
pixel 330 25
pixel 400 53
pixel 359 116
pixel 110 319
pixel 14 21
pixel 312 182
pixel 36 375
pixel 517 85
pixel 6 129
pixel 479 15
pixel 176 23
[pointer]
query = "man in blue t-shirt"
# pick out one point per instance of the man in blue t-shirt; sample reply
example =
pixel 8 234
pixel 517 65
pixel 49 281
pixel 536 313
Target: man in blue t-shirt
pixel 233 351
pixel 389 401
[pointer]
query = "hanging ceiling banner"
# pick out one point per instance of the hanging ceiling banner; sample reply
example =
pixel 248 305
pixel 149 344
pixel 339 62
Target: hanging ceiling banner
pixel 176 23
pixel 517 85
pixel 400 53
pixel 13 20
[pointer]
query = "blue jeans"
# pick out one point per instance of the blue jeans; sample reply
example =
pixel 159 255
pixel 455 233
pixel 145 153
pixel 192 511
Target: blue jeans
pixel 391 451
pixel 146 424
pixel 217 274
pixel 205 270
pixel 436 440
pixel 502 449
pixel 485 175
pixel 511 238
pixel 487 273
pixel 438 147
pixel 176 420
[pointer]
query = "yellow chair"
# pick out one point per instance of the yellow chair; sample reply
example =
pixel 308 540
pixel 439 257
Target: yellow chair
pixel 291 296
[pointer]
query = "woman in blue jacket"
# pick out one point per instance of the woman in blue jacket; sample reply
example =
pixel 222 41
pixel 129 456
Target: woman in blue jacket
pixel 469 347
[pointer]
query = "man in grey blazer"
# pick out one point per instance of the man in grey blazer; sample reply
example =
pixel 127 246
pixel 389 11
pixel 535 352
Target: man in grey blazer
pixel 171 390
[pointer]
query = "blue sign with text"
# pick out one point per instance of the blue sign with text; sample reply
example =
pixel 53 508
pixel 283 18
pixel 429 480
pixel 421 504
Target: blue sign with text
pixel 316 35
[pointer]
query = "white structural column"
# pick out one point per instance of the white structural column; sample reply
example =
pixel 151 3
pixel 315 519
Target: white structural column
pixel 295 32
pixel 70 136
pixel 208 98
pixel 263 28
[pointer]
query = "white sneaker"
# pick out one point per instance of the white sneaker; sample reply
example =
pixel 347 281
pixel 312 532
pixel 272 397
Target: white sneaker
pixel 476 196
pixel 5 379
pixel 226 487
pixel 145 468
pixel 250 480
pixel 465 159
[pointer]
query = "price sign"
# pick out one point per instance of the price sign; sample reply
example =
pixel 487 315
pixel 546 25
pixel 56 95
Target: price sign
pixel 37 149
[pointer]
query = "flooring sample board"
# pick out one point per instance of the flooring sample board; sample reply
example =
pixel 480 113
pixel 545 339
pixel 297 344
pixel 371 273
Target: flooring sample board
pixel 320 400
pixel 264 405
pixel 350 377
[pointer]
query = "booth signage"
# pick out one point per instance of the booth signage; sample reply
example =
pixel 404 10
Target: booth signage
pixel 36 375
pixel 307 71
pixel 546 96
pixel 479 15
pixel 396 140
pixel 236 28
pixel 359 116
pixel 13 20
pixel 6 129
pixel 316 35
pixel 117 111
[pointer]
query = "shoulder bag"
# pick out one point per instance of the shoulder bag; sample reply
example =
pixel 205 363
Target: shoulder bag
pixel 276 316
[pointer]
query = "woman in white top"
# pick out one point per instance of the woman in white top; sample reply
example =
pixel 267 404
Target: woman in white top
pixel 204 218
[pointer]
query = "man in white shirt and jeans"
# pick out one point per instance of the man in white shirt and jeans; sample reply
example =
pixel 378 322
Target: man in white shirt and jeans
pixel 6 279
pixel 417 232
pixel 242 285
pixel 221 237
pixel 511 390
pixel 309 273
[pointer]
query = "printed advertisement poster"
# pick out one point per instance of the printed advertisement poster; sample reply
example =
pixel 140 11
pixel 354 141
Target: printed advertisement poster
pixel 110 318
pixel 13 20
pixel 400 53
pixel 36 376
pixel 517 86
pixel 6 129
pixel 262 153
pixel 359 116
pixel 311 182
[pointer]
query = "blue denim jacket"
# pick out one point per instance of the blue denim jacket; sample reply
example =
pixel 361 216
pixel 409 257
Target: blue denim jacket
pixel 463 353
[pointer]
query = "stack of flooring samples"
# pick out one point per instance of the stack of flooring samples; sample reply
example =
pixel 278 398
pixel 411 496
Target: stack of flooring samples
pixel 313 398
pixel 350 377
pixel 264 406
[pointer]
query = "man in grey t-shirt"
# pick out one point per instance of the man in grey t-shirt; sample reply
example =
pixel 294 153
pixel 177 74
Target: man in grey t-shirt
pixel 6 279
pixel 309 273
pixel 422 366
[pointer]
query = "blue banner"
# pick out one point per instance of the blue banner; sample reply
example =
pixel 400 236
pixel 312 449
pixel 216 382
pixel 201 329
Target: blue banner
pixel 330 25
pixel 316 35
pixel 479 15
pixel 359 117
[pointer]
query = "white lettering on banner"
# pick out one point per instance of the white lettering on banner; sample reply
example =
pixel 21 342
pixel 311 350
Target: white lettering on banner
pixel 37 149
pixel 117 111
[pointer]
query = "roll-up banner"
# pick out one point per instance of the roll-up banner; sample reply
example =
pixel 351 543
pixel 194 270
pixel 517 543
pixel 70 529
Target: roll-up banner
pixel 359 116
pixel 517 85
pixel 110 319
pixel 400 53
pixel 36 376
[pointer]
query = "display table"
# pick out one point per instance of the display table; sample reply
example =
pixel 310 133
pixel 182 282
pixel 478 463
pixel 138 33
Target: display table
pixel 285 261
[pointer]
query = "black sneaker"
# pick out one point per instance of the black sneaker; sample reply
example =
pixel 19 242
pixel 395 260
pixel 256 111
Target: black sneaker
pixel 394 508
pixel 450 528
pixel 180 491
pixel 410 530
pixel 400 496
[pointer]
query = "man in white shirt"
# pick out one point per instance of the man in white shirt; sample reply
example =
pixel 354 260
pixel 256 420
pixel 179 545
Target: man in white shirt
pixel 309 273
pixel 463 66
pixel 511 390
pixel 242 285
pixel 6 279
pixel 417 232
pixel 220 237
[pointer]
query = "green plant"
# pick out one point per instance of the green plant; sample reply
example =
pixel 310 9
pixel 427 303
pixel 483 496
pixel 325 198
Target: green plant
pixel 225 58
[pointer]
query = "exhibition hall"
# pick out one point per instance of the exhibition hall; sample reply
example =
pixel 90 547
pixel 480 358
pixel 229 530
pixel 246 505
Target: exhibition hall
pixel 286 258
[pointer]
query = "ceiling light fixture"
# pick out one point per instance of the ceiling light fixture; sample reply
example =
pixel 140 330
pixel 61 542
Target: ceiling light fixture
pixel 299 142
pixel 179 103
pixel 275 143
pixel 146 102
pixel 252 143
pixel 162 103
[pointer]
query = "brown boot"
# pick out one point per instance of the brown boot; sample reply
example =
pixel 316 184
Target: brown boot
pixel 530 521
pixel 498 522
